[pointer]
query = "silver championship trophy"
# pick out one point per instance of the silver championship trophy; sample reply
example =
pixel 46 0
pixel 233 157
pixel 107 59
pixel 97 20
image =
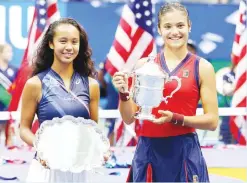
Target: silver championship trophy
pixel 148 86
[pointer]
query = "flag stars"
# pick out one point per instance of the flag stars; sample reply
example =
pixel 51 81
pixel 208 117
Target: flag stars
pixel 42 11
pixel 142 10
pixel 145 3
pixel 147 13
pixel 138 15
pixel 42 21
pixel 148 22
pixel 42 2
pixel 138 5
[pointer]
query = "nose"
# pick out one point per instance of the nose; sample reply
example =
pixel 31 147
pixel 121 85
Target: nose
pixel 174 31
pixel 68 46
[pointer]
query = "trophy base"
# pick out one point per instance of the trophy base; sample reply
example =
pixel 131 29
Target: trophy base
pixel 145 113
pixel 144 117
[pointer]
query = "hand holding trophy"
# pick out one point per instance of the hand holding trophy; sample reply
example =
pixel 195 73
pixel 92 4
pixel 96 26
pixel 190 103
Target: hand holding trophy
pixel 147 88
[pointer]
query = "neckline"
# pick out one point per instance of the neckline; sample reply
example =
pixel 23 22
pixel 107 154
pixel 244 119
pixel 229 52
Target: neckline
pixel 60 80
pixel 165 67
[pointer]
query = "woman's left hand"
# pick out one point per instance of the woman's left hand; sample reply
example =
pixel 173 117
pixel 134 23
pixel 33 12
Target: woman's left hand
pixel 166 116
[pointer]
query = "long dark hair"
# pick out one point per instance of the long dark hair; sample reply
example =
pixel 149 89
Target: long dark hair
pixel 82 64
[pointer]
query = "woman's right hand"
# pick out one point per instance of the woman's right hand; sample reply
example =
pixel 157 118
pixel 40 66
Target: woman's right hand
pixel 120 81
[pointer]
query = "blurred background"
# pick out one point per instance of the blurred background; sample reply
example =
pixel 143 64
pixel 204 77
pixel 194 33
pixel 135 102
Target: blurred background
pixel 217 27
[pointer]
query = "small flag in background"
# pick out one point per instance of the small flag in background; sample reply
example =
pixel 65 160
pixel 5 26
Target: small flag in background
pixel 238 124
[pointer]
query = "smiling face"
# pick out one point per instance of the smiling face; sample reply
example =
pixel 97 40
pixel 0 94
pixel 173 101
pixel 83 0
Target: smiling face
pixel 174 27
pixel 66 43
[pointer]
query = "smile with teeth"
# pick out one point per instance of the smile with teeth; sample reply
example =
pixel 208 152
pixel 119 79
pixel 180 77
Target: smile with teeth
pixel 175 38
pixel 67 54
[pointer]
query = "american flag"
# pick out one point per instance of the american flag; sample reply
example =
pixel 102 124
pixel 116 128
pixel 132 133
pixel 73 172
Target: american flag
pixel 238 123
pixel 133 40
pixel 46 12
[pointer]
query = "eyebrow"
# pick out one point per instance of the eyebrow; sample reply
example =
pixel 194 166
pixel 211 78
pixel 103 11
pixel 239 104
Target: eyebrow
pixel 67 38
pixel 172 23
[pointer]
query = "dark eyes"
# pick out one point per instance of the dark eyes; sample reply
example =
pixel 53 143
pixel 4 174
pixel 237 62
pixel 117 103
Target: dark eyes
pixel 180 26
pixel 65 41
pixel 169 26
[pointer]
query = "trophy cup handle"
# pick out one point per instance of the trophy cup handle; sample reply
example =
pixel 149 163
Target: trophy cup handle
pixel 175 90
